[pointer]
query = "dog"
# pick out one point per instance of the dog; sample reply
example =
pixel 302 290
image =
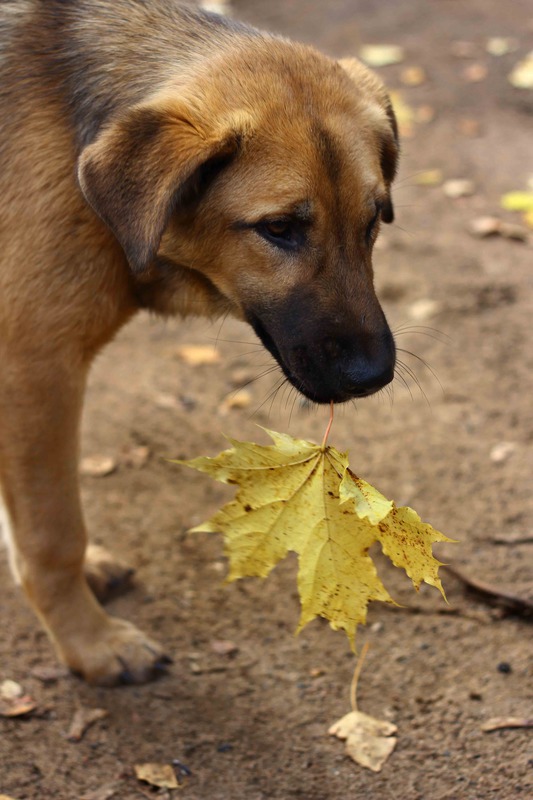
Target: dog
pixel 157 157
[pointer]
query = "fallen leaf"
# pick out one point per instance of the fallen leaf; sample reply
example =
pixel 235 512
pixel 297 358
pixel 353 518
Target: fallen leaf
pixel 501 45
pixel 165 400
pixel 510 230
pixel 462 49
pixel 301 497
pixel 521 76
pixel 160 775
pixel 424 114
pixel 475 73
pixel 502 452
pixel 482 227
pixel 381 55
pixel 10 690
pixel 424 309
pixel 223 647
pixel 429 177
pixel 495 595
pixel 135 456
pixel 216 6
pixel 17 707
pixel 469 127
pixel 102 793
pixel 458 187
pixel 97 466
pixel 369 741
pixel 82 721
pixel 197 354
pixel 498 723
pixel 236 400
pixel 413 76
pixel 517 201
pixel 13 701
pixel 50 674
pixel 6 797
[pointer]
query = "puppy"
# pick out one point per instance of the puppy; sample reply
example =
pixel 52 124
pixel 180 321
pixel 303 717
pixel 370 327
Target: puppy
pixel 156 157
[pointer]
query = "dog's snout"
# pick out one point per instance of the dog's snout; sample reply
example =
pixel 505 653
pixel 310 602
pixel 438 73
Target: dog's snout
pixel 358 366
pixel 363 376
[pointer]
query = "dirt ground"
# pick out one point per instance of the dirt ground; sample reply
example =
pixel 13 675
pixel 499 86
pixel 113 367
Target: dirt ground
pixel 253 723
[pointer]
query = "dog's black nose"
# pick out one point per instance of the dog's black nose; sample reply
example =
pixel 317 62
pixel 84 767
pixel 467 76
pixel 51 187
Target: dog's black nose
pixel 364 377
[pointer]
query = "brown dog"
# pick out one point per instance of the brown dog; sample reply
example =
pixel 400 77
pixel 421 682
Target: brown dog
pixel 154 157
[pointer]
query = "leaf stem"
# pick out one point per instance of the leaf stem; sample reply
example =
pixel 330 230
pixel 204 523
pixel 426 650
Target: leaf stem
pixel 357 672
pixel 330 423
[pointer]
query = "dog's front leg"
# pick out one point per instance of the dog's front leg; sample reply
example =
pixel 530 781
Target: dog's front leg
pixel 40 408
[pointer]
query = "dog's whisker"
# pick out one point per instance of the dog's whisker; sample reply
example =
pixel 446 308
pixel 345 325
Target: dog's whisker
pixel 414 377
pixel 272 394
pixel 400 376
pixel 272 368
pixel 423 330
pixel 424 363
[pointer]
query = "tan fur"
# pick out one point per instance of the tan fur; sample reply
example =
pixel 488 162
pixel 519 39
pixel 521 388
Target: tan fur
pixel 130 181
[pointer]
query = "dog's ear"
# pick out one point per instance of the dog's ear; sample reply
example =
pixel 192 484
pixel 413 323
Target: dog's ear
pixel 137 170
pixel 388 142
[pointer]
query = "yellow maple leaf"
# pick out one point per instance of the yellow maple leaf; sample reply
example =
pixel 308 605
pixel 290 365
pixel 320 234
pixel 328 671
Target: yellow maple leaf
pixel 302 497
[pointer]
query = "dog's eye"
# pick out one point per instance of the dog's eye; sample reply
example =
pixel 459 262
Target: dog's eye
pixel 282 233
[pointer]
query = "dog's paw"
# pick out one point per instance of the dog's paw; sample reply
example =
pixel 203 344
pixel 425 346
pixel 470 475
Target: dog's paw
pixel 119 654
pixel 106 575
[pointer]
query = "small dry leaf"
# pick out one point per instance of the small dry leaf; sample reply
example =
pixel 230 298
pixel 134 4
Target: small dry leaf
pixel 49 674
pixel 458 187
pixel 469 127
pixel 13 701
pixel 18 706
pixel 197 355
pixel 237 400
pixel 430 177
pixel 160 775
pixel 475 73
pixel 502 452
pixel 82 721
pixel 223 647
pixel 369 741
pixel 102 793
pixel 381 55
pixel 135 456
pixel 413 76
pixel 424 114
pixel 481 227
pixel 501 45
pixel 510 230
pixel 216 6
pixel 10 690
pixel 165 400
pixel 461 49
pixel 6 797
pixel 97 466
pixel 517 201
pixel 424 309
pixel 498 723
pixel 522 75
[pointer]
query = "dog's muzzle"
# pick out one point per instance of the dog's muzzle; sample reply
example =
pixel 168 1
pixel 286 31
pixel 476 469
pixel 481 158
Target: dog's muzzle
pixel 329 362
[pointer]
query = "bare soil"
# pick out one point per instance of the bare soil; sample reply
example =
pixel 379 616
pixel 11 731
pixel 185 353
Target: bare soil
pixel 253 724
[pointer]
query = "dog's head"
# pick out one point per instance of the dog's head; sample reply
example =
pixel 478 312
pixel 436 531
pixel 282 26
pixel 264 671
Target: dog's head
pixel 258 187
